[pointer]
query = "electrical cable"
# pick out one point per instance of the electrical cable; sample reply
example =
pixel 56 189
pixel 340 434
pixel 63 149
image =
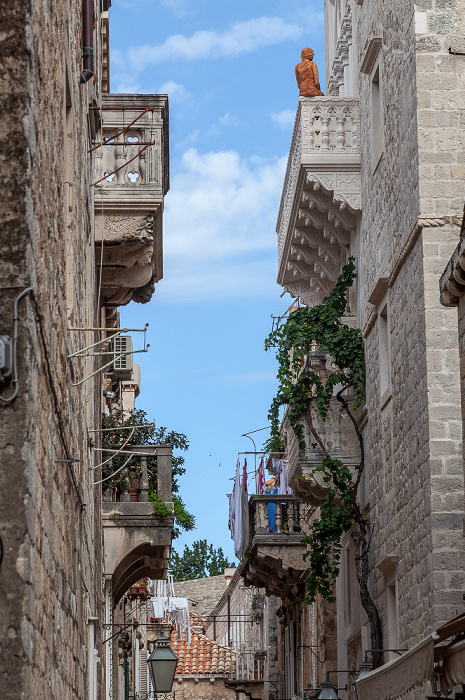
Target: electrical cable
pixel 61 428
pixel 80 547
pixel 114 455
pixel 116 472
pixel 11 398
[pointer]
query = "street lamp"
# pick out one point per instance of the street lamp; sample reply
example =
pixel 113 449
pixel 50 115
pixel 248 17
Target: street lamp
pixel 327 691
pixel 365 668
pixel 162 665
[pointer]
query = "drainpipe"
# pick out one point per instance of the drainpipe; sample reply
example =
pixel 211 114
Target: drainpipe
pixel 229 620
pixel 87 40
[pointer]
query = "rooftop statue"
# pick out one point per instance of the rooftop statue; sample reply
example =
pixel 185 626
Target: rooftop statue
pixel 306 73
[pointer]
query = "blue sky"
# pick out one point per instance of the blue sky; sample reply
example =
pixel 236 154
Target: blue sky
pixel 228 69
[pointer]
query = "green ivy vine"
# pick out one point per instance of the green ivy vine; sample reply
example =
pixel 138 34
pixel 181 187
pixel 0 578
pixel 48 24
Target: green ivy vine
pixel 307 329
pixel 301 391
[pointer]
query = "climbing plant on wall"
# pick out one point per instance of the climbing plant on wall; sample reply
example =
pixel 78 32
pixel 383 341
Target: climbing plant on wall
pixel 303 392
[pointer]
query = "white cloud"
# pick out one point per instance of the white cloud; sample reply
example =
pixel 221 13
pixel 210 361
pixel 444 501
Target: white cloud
pixel 221 205
pixel 188 141
pixel 240 38
pixel 219 226
pixel 124 84
pixel 284 119
pixel 229 120
pixel 177 93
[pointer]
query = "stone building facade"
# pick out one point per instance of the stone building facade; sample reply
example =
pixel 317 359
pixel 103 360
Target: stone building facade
pixel 376 171
pixel 55 306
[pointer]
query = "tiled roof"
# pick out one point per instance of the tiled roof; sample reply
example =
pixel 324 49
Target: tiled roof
pixel 203 655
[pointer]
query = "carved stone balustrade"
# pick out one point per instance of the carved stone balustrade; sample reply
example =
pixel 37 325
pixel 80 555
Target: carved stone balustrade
pixel 137 541
pixel 274 560
pixel 338 435
pixel 131 176
pixel 321 196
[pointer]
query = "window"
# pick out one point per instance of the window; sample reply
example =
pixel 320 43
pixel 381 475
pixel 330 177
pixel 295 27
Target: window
pixel 372 67
pixel 388 567
pixel 376 117
pixel 384 355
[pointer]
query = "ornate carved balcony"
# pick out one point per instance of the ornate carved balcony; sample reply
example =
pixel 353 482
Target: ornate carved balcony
pixel 131 177
pixel 321 196
pixel 137 541
pixel 274 561
pixel 338 434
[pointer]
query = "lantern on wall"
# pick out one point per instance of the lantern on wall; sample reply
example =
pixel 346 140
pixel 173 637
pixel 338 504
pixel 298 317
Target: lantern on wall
pixel 162 664
pixel 328 691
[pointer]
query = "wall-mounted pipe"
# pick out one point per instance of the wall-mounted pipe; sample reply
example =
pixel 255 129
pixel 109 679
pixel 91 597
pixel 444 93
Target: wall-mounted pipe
pixel 87 40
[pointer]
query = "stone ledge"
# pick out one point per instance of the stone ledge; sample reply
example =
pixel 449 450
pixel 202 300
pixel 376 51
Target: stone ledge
pixel 111 509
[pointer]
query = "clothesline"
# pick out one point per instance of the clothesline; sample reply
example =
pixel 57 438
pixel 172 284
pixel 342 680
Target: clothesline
pixel 261 453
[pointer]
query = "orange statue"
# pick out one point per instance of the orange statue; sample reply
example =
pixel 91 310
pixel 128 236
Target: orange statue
pixel 306 73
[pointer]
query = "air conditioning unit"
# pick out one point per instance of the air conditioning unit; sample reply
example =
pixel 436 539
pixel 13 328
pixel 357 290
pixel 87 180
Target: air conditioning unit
pixel 123 364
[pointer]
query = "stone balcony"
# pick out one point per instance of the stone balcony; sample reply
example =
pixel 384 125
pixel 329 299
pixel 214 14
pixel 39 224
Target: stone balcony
pixel 131 178
pixel 339 437
pixel 274 559
pixel 321 196
pixel 137 541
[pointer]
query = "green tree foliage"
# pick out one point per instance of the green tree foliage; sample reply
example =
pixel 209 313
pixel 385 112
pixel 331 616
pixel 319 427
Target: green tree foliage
pixel 198 561
pixel 148 435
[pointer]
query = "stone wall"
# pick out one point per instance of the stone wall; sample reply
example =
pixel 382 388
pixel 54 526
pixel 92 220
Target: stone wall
pixel 50 577
pixel 412 199
pixel 203 593
pixel 206 688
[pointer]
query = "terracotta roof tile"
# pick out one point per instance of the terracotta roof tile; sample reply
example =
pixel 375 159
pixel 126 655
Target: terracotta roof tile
pixel 203 655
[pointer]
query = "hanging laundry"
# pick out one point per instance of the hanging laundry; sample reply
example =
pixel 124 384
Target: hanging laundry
pixel 272 511
pixel 245 512
pixel 174 608
pixel 235 512
pixel 158 607
pixel 276 465
pixel 261 486
pixel 284 487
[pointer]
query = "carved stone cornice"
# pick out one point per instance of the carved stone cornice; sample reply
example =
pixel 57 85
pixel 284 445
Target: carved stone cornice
pixel 321 196
pixel 341 58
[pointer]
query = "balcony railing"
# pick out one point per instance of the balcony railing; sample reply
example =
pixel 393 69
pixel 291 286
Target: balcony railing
pixel 250 664
pixel 274 515
pixel 321 195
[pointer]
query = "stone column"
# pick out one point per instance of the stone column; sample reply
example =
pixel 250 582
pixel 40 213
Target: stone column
pixel 164 473
pixel 125 497
pixel 144 481
pixel 345 69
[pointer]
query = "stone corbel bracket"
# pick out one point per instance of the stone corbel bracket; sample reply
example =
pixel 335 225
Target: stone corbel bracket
pixel 128 201
pixel 321 198
pixel 452 282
